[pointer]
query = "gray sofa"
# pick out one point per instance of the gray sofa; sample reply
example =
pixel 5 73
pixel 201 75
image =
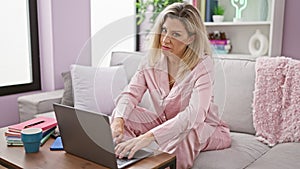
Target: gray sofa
pixel 234 85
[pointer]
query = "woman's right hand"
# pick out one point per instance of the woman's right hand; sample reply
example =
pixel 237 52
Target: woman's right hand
pixel 117 127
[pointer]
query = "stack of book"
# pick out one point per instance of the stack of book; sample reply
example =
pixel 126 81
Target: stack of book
pixel 220 46
pixel 13 133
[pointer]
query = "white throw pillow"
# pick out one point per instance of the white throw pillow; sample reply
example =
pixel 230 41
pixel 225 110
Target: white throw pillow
pixel 96 88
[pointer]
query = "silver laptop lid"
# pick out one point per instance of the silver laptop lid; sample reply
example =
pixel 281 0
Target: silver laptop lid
pixel 86 134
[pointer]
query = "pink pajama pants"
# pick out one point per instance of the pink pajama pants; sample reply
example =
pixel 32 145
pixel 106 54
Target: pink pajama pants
pixel 201 138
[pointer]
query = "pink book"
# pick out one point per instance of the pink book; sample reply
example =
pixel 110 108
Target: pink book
pixel 44 123
pixel 18 134
pixel 219 42
pixel 12 134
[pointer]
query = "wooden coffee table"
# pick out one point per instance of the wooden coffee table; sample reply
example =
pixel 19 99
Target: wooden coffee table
pixel 15 157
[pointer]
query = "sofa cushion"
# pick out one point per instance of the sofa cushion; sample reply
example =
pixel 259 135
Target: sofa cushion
pixel 234 85
pixel 50 114
pixel 29 105
pixel 68 98
pixel 276 108
pixel 244 150
pixel 96 88
pixel 130 61
pixel 281 156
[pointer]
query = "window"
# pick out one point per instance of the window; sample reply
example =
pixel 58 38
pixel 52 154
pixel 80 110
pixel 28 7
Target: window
pixel 104 18
pixel 19 54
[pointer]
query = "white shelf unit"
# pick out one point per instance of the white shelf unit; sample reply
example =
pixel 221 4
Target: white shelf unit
pixel 239 33
pixel 246 23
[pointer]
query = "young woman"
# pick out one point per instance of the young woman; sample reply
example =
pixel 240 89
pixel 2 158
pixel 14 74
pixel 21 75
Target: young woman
pixel 179 77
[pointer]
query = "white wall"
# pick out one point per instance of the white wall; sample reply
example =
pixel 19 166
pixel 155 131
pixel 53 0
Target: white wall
pixel 112 29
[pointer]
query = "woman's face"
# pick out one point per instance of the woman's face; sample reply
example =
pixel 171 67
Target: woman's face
pixel 174 37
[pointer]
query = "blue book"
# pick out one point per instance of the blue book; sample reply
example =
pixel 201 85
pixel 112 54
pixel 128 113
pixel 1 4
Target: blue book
pixel 210 5
pixel 221 47
pixel 57 144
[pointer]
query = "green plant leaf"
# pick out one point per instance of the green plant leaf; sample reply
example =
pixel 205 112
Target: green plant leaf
pixel 158 6
pixel 219 10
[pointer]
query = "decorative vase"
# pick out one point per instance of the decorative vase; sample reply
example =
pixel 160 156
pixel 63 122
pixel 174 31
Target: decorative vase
pixel 258 44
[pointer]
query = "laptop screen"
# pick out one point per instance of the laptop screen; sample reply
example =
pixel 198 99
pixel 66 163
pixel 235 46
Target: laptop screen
pixel 88 135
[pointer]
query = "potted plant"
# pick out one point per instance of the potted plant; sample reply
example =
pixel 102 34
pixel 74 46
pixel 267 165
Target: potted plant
pixel 147 11
pixel 156 5
pixel 218 14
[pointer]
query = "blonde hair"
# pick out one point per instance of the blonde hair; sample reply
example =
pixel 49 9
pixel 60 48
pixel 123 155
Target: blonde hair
pixel 191 19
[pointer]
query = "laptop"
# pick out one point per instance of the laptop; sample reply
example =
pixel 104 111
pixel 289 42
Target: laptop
pixel 88 135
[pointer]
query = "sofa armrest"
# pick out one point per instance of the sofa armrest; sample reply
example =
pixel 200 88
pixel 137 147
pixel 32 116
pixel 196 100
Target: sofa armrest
pixel 29 105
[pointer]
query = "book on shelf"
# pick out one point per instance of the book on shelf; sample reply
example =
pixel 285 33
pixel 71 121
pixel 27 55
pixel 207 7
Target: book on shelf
pixel 220 46
pixel 221 49
pixel 219 42
pixel 44 123
pixel 202 7
pixel 218 51
pixel 195 3
pixel 210 5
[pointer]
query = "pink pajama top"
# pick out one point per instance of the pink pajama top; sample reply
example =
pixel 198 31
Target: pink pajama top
pixel 187 107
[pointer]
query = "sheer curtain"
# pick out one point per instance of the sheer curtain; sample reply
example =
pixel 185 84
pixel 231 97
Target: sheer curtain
pixel 15 54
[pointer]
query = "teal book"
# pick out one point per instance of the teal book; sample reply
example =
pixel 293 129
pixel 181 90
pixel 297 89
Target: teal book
pixel 210 5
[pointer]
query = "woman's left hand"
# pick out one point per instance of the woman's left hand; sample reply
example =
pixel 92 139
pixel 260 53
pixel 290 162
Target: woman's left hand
pixel 133 145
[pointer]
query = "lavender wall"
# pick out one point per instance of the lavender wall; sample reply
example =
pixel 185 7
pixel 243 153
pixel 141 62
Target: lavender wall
pixel 291 33
pixel 64 29
pixel 9 109
pixel 71 30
